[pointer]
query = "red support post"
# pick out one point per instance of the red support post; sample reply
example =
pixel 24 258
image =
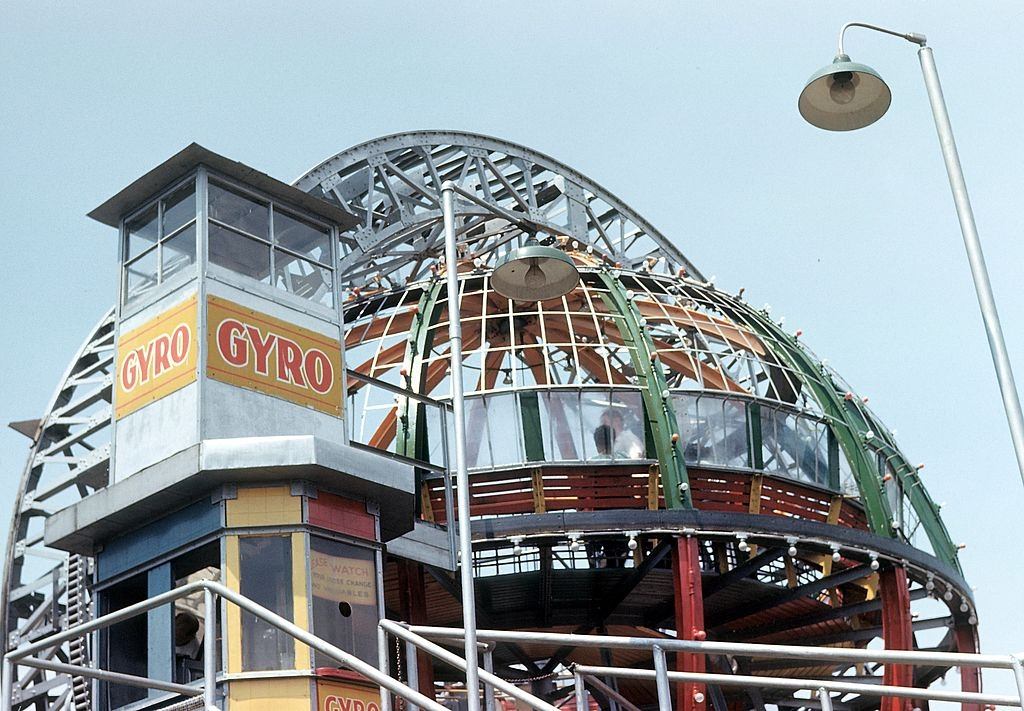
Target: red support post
pixel 897 632
pixel 413 602
pixel 689 599
pixel 970 677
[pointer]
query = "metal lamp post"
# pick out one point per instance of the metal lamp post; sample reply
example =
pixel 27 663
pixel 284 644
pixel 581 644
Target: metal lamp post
pixel 528 273
pixel 845 96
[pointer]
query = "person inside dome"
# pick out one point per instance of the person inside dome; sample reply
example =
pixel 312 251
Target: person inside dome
pixel 603 438
pixel 625 443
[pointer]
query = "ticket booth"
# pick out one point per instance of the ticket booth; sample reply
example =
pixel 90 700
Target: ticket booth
pixel 230 458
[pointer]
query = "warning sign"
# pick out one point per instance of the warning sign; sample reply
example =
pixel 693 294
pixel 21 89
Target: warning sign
pixel 340 579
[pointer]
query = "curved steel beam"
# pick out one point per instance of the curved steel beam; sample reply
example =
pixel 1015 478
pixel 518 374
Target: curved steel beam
pixel 392 185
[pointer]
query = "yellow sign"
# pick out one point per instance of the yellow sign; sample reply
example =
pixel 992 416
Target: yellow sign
pixel 274 357
pixel 339 579
pixel 339 696
pixel 156 358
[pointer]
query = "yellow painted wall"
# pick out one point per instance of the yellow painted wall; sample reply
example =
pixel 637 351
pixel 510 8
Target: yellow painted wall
pixel 264 506
pixel 233 634
pixel 270 694
pixel 300 603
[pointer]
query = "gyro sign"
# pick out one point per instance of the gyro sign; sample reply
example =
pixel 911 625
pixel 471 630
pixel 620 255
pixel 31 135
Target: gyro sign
pixel 156 358
pixel 259 352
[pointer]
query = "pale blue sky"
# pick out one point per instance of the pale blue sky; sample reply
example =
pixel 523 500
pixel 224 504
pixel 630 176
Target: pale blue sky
pixel 687 111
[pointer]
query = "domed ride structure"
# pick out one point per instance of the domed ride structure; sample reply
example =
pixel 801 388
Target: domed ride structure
pixel 649 456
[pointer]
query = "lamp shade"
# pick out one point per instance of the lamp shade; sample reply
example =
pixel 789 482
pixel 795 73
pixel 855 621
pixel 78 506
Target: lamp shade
pixel 534 272
pixel 844 96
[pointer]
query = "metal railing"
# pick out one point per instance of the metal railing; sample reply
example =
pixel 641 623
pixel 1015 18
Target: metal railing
pixel 585 674
pixel 427 469
pixel 211 590
pixel 420 637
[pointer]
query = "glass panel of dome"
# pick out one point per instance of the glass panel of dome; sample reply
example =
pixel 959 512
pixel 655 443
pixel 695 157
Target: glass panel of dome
pixel 240 254
pixel 143 232
pixel 624 414
pixel 238 211
pixel 179 208
pixel 734 450
pixel 303 278
pixel 685 406
pixel 504 434
pixel 141 275
pixel 560 420
pixel 178 253
pixel 478 451
pixel 302 237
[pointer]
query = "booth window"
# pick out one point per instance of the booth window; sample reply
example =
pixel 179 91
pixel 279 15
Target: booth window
pixel 189 633
pixel 265 574
pixel 343 578
pixel 125 645
pixel 261 240
pixel 160 241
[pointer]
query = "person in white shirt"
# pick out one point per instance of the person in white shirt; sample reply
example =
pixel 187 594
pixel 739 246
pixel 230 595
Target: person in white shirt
pixel 625 443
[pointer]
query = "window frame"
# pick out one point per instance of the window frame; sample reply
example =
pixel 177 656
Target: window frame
pixel 129 303
pixel 271 290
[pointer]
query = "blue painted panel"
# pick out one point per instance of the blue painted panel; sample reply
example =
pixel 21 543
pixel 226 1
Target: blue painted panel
pixel 160 622
pixel 144 544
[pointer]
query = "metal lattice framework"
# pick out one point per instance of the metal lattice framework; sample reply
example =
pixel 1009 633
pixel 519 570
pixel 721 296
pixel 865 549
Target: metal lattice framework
pixel 643 331
pixel 46 590
pixel 392 186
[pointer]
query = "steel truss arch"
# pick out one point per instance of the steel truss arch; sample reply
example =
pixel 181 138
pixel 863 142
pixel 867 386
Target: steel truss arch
pixel 46 590
pixel 392 186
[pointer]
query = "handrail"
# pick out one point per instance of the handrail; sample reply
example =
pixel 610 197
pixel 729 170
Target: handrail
pixel 769 682
pixel 662 676
pixel 22 656
pixel 404 632
pixel 744 649
pixel 396 390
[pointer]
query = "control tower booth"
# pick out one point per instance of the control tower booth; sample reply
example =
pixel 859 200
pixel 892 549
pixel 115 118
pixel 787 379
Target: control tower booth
pixel 230 460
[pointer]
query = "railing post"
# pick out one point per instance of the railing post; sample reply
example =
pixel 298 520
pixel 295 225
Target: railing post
pixel 1018 676
pixel 581 693
pixel 825 699
pixel 489 668
pixel 661 671
pixel 7 684
pixel 210 650
pixel 897 632
pixel 383 665
pixel 689 609
pixel 412 673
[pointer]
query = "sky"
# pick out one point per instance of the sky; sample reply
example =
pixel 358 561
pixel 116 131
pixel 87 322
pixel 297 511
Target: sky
pixel 685 110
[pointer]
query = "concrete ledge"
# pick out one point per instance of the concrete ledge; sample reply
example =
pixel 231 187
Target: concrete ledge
pixel 425 543
pixel 183 477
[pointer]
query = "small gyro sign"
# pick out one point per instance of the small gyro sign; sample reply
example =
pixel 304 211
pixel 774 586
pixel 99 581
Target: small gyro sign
pixel 156 358
pixel 259 352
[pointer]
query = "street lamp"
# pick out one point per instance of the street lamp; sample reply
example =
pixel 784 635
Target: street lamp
pixel 529 273
pixel 845 96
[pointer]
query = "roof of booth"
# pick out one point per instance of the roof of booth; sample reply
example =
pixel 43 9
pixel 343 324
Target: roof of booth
pixel 188 159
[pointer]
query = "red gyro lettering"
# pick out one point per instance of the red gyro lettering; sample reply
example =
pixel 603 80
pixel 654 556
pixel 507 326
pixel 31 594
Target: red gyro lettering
pixel 151 360
pixel 129 375
pixel 318 371
pixel 162 359
pixel 289 362
pixel 272 355
pixel 262 347
pixel 232 343
pixel 181 340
